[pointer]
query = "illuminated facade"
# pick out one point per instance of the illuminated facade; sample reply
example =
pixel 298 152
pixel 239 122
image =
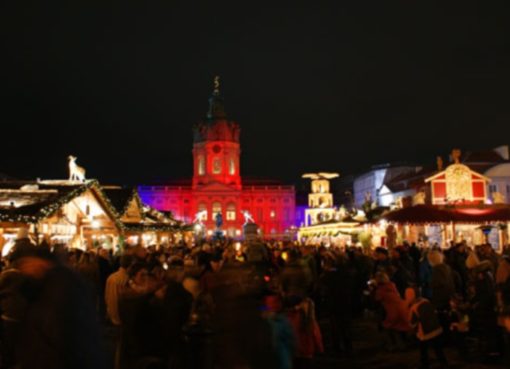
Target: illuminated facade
pixel 217 185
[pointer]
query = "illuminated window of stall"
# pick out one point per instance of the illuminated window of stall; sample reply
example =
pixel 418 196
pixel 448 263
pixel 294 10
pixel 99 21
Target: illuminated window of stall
pixel 272 214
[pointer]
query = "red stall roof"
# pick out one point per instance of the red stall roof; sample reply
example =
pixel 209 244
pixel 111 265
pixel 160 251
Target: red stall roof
pixel 442 214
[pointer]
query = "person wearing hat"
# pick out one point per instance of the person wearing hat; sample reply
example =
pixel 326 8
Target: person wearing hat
pixel 256 251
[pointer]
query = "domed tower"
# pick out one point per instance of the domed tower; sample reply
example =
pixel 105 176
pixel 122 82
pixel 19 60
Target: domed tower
pixel 216 148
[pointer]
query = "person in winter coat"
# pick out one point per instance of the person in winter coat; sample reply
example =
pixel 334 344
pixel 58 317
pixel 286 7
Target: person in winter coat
pixel 13 306
pixel 403 270
pixel 483 301
pixel 283 339
pixel 335 286
pixel 307 332
pixel 425 277
pixel 396 322
pixel 442 283
pixel 503 289
pixel 60 328
pixel 458 257
pixel 295 278
pixel 382 263
pixel 423 317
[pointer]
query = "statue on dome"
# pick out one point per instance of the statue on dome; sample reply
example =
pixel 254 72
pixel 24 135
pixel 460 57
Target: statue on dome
pixel 217 84
pixel 440 164
pixel 456 154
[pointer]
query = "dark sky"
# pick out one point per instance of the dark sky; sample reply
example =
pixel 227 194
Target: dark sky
pixel 335 85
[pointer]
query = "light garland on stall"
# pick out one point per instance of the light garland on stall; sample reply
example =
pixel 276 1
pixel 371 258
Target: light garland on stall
pixel 14 216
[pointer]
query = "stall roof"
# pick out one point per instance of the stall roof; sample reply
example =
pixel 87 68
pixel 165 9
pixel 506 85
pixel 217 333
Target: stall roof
pixel 421 214
pixel 41 199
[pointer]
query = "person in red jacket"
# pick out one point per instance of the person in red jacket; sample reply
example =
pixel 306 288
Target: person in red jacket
pixel 395 322
pixel 307 332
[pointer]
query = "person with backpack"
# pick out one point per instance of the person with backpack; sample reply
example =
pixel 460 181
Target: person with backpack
pixel 423 317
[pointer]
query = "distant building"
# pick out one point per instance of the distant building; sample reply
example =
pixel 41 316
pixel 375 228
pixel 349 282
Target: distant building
pixel 390 184
pixel 217 186
pixel 375 183
pixel 494 164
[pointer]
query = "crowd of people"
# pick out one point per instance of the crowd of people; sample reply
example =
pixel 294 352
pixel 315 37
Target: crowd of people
pixel 226 304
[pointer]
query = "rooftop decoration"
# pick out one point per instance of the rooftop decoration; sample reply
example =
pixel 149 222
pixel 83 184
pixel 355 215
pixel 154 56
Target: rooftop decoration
pixel 320 200
pixel 458 184
pixel 76 173
pixel 46 207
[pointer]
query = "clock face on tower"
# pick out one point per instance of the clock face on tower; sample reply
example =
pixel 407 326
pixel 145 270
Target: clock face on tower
pixel 216 149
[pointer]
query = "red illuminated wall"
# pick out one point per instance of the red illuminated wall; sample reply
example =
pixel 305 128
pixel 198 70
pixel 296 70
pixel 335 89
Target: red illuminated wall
pixel 478 185
pixel 217 183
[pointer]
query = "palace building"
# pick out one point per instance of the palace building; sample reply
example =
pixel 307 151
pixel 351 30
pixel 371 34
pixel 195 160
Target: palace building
pixel 217 185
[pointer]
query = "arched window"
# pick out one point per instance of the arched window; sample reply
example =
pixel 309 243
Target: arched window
pixel 231 211
pixel 216 208
pixel 232 167
pixel 203 207
pixel 201 165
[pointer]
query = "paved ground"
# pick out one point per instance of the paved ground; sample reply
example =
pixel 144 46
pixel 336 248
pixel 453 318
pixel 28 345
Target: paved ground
pixel 369 353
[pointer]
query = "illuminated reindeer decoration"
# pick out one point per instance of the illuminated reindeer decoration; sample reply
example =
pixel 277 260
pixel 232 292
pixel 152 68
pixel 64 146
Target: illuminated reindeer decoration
pixel 76 173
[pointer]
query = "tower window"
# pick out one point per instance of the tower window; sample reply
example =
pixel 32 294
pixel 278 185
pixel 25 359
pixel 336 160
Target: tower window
pixel 232 167
pixel 201 165
pixel 216 169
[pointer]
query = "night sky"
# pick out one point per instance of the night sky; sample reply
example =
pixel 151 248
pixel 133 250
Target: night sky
pixel 338 86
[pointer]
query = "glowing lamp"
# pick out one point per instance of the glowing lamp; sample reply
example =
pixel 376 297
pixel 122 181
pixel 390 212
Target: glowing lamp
pixel 285 256
pixel 95 224
pixel 7 248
